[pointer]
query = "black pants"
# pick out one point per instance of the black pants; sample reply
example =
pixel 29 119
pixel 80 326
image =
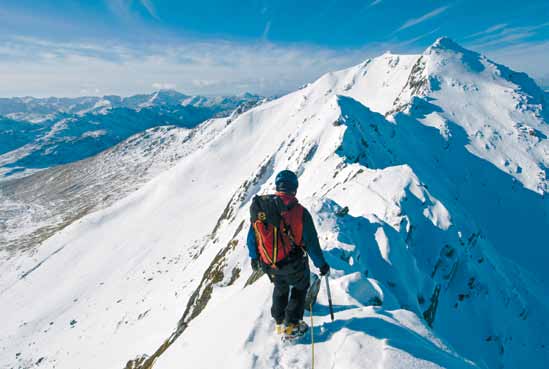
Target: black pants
pixel 290 288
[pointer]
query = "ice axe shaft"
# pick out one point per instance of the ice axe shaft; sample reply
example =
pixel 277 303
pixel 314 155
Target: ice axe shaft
pixel 329 298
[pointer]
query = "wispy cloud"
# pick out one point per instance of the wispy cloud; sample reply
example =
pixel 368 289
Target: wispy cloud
pixel 126 11
pixel 266 30
pixel 415 21
pixel 31 66
pixel 529 57
pixel 151 9
pixel 163 86
pixel 488 30
pixel 121 8
pixel 417 38
pixel 504 35
pixel 376 2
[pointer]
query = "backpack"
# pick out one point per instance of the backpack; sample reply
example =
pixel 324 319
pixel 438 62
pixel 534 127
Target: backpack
pixel 273 235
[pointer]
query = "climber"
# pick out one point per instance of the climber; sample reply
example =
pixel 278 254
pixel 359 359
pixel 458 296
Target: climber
pixel 281 235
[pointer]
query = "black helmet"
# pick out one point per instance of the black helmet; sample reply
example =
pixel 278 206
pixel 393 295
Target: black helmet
pixel 286 181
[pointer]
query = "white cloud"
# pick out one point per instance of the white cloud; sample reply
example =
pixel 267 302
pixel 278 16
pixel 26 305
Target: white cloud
pixel 502 36
pixel 151 9
pixel 504 39
pixel 30 66
pixel 266 30
pixel 532 57
pixel 413 40
pixel 163 86
pixel 414 21
pixel 119 7
pixel 123 9
pixel 488 30
pixel 206 82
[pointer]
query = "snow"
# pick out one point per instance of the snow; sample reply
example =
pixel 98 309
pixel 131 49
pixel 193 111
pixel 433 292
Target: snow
pixel 438 261
pixel 52 198
pixel 394 339
pixel 95 134
pixel 376 83
pixel 100 107
pixel 500 110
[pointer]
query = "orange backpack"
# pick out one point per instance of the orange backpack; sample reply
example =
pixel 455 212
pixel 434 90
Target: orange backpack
pixel 278 227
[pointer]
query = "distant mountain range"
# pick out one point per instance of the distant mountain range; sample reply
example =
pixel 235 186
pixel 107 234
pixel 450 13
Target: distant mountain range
pixel 36 110
pixel 37 133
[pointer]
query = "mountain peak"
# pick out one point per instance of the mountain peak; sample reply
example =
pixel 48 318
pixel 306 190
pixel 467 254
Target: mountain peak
pixel 169 92
pixel 445 44
pixel 247 95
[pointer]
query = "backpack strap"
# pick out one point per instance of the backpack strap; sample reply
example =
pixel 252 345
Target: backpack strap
pixel 259 238
pixel 287 228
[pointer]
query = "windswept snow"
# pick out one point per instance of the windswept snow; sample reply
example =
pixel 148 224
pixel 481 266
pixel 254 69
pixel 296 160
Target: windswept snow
pixel 437 249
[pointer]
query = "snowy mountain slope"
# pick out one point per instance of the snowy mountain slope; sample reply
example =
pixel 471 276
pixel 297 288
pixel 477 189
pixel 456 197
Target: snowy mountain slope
pixel 376 83
pixel 74 133
pixel 36 206
pixel 407 214
pixel 504 113
pixel 16 134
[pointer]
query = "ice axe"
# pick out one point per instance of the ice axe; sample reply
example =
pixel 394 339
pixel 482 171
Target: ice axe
pixel 329 297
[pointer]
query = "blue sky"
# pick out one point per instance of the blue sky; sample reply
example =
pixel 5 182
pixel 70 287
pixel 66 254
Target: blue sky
pixel 70 48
